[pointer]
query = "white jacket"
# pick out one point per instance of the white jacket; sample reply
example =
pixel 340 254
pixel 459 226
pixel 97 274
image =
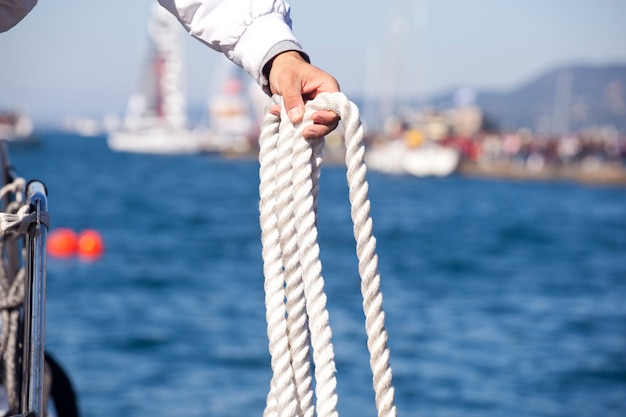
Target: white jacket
pixel 249 32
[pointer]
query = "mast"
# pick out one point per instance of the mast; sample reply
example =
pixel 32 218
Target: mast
pixel 161 98
pixel 165 32
pixel 406 21
pixel 562 102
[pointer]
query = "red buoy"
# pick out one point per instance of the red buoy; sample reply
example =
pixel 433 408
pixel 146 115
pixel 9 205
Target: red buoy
pixel 90 244
pixel 62 242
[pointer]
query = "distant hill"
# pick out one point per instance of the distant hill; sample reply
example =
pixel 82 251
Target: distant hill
pixel 568 98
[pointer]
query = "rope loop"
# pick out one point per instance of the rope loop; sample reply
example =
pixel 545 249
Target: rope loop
pixel 296 313
pixel 19 223
pixel 15 221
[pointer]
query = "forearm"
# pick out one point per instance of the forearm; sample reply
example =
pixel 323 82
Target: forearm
pixel 250 33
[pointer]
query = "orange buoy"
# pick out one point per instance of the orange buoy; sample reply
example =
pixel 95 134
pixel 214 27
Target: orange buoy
pixel 90 244
pixel 62 242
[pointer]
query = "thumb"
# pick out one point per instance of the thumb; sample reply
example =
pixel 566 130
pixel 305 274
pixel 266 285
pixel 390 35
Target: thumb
pixel 294 104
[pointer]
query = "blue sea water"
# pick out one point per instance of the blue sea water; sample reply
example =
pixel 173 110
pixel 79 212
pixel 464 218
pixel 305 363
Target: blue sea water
pixel 502 298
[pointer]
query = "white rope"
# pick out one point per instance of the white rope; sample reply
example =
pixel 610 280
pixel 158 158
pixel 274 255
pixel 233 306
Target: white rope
pixel 295 301
pixel 14 222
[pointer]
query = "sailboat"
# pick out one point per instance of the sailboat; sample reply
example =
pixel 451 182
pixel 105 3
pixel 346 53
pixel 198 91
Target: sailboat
pixel 16 127
pixel 156 116
pixel 428 160
pixel 235 113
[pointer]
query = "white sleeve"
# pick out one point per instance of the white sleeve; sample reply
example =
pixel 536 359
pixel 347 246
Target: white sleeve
pixel 249 32
pixel 12 11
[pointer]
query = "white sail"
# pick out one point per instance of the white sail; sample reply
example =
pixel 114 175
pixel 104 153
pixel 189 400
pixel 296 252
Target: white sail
pixel 16 126
pixel 156 116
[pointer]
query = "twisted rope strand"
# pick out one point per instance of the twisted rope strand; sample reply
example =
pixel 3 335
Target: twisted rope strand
pixel 368 260
pixel 14 221
pixel 280 400
pixel 294 285
pixel 289 186
pixel 319 327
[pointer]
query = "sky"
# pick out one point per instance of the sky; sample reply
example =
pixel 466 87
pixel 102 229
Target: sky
pixel 71 58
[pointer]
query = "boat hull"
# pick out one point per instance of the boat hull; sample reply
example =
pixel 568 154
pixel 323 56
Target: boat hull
pixel 425 161
pixel 156 141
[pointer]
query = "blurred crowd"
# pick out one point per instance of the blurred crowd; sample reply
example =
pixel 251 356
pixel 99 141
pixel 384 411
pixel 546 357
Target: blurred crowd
pixel 464 129
pixel 589 150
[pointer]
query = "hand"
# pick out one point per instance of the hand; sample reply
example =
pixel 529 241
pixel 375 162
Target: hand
pixel 296 80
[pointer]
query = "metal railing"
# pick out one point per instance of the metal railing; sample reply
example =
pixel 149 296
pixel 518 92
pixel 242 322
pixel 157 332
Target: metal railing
pixel 28 252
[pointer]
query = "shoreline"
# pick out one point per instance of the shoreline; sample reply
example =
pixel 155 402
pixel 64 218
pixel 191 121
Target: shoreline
pixel 603 174
pixel 609 174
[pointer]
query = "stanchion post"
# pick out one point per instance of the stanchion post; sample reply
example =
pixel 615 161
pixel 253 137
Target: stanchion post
pixel 35 302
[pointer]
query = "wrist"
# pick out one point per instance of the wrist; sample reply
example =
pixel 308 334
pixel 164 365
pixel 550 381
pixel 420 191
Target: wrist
pixel 281 57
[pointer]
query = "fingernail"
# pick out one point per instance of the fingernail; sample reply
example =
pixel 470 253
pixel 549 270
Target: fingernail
pixel 295 114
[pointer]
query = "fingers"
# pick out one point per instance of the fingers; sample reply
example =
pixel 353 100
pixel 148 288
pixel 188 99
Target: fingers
pixel 294 104
pixel 287 75
pixel 325 117
pixel 317 131
pixel 275 109
pixel 324 122
pixel 296 80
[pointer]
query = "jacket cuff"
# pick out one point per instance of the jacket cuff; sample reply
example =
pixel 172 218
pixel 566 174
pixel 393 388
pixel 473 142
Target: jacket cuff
pixel 266 64
pixel 263 39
